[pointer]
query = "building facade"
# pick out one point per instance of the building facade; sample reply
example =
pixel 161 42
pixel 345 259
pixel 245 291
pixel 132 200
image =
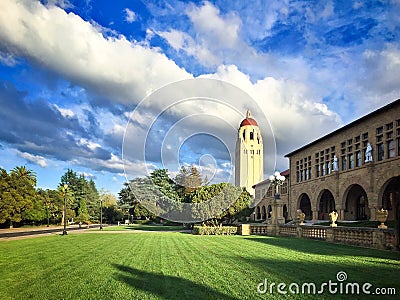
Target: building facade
pixel 354 170
pixel 249 165
pixel 264 195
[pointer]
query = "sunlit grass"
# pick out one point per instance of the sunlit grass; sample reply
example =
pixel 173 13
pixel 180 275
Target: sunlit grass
pixel 173 265
pixel 155 227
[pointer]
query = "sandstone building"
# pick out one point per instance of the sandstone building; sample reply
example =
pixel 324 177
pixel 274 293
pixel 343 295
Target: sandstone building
pixel 354 170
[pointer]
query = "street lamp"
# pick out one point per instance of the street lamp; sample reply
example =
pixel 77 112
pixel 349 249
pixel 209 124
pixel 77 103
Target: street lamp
pixel 65 187
pixel 277 179
pixel 101 214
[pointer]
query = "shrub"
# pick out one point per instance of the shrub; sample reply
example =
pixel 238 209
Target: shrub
pixel 214 230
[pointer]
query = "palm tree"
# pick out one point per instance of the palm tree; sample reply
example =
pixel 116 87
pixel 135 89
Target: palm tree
pixel 23 172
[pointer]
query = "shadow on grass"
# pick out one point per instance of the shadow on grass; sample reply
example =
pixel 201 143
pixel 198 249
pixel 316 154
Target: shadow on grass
pixel 319 272
pixel 166 286
pixel 323 247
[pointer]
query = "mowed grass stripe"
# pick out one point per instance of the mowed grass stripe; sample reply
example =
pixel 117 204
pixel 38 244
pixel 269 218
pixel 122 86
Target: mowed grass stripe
pixel 179 266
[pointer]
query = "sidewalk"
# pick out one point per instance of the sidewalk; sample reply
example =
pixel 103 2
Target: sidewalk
pixel 35 231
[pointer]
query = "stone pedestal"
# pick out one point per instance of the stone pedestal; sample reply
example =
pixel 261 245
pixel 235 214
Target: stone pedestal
pixel 244 229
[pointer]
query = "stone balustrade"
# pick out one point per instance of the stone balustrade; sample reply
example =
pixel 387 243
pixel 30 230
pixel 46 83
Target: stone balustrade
pixel 356 236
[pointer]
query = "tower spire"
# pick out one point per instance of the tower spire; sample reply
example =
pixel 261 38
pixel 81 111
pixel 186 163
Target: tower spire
pixel 248 113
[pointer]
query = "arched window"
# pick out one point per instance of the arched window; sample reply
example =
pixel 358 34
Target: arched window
pixel 251 135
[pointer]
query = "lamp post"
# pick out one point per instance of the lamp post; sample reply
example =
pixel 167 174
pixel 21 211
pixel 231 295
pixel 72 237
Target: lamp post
pixel 277 204
pixel 65 187
pixel 277 180
pixel 101 214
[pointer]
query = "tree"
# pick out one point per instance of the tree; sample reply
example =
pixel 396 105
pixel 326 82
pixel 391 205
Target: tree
pixel 84 194
pixel 219 203
pixel 38 212
pixel 187 180
pixel 128 201
pixel 23 173
pixel 17 191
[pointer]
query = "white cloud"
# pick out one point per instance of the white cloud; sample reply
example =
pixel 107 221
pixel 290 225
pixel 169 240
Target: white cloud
pixel 36 159
pixel 7 59
pixel 65 112
pixel 64 43
pixel 130 15
pixel 89 144
pixel 88 175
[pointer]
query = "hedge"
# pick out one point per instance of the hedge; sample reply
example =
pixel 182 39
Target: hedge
pixel 214 230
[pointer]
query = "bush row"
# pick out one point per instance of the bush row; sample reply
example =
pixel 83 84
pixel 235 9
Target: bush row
pixel 214 230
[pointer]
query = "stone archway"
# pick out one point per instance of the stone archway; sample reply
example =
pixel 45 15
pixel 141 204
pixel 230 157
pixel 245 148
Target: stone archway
pixel 390 198
pixel 326 204
pixel 263 213
pixel 356 204
pixel 305 205
pixel 285 212
pixel 258 213
pixel 269 210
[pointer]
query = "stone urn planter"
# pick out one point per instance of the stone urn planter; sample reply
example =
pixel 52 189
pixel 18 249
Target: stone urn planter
pixel 301 216
pixel 333 216
pixel 382 215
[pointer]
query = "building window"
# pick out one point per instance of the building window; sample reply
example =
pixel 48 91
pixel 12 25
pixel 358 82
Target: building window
pixel 244 134
pixel 381 151
pixel 323 169
pixel 357 139
pixel 391 152
pixel 284 189
pixel 251 135
pixel 317 168
pixel 343 144
pixel 344 164
pixel 358 159
pixel 328 167
pixel 269 191
pixel 365 136
pixel 351 161
pixel 297 176
pixel 350 141
pixel 379 130
pixel 389 126
pixel 398 147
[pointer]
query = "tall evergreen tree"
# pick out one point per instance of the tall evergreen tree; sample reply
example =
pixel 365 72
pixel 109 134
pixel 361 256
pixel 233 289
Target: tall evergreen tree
pixel 17 192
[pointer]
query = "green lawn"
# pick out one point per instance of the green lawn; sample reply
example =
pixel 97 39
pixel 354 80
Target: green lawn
pixel 173 265
pixel 144 227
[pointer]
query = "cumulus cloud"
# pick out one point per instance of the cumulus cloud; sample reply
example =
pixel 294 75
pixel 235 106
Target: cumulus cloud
pixel 288 90
pixel 36 159
pixel 64 43
pixel 130 15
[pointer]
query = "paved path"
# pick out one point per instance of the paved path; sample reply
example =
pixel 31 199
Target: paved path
pixel 18 233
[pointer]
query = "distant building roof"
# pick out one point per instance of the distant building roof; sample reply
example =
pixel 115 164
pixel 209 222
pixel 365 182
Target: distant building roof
pixel 382 109
pixel 285 173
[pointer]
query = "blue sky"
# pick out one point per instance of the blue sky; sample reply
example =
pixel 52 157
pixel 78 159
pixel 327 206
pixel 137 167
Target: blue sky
pixel 72 72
